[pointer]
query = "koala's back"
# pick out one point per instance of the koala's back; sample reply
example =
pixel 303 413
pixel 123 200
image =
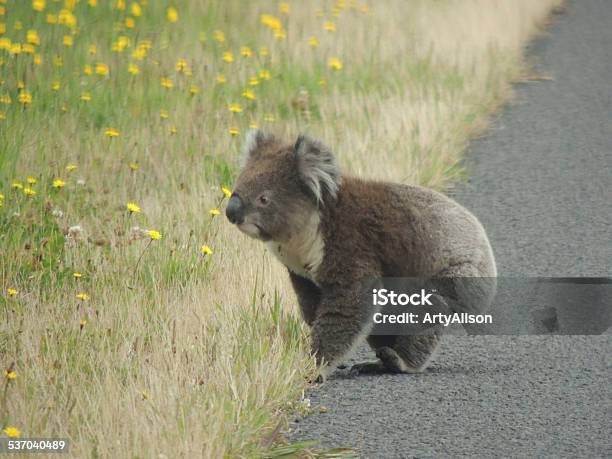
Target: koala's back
pixel 407 230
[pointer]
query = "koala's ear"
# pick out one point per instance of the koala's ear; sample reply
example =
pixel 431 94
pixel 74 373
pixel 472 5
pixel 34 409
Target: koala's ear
pixel 317 167
pixel 254 140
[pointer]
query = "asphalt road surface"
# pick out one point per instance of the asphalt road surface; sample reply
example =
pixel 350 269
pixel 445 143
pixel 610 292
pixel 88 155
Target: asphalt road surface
pixel 541 182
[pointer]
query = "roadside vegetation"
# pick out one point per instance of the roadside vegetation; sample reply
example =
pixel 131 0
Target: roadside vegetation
pixel 134 320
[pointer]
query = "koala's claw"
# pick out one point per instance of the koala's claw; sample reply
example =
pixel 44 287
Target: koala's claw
pixel 367 368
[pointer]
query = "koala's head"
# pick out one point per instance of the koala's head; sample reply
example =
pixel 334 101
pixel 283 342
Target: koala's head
pixel 281 186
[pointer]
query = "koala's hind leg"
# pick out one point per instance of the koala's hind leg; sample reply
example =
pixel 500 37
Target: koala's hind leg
pixel 413 351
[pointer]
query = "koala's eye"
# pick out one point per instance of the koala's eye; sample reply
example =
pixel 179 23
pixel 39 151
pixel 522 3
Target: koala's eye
pixel 263 200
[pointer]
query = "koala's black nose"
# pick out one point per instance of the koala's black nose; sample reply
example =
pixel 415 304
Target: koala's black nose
pixel 234 210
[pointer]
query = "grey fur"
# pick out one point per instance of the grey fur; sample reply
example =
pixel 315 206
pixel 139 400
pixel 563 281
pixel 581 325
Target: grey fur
pixel 367 231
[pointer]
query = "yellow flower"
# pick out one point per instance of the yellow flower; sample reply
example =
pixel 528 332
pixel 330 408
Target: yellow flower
pixel 219 36
pixel 245 51
pixel 6 99
pixel 173 130
pixel 20 84
pixel 101 69
pixel 32 37
pixel 322 82
pixel 155 235
pixel 68 40
pixel 334 63
pixel 220 79
pixel 58 183
pixel 52 18
pixel 163 114
pixel 228 56
pixel 136 9
pixel 130 23
pixel 25 97
pixel 253 125
pixel 269 117
pixel 83 296
pixel 313 42
pixel 284 7
pixel 71 167
pixel 56 86
pixel 265 74
pixel 235 108
pixel 85 97
pixel 83 322
pixel 38 5
pixel 253 81
pixel 111 132
pixel 29 191
pixel 133 167
pixel 172 14
pixel 181 65
pixel 32 180
pixel 166 83
pixel 11 375
pixel 329 26
pixel 37 59
pixel 77 275
pixel 133 69
pixel 88 69
pixel 233 131
pixel 249 94
pixel 12 431
pixel 194 89
pixel 120 5
pixel 12 291
pixel 92 49
pixel 215 212
pixel 271 22
pixel 5 43
pixel 27 48
pixel 206 250
pixel 263 51
pixel 226 192
pixel 133 208
pixel 17 185
pixel 93 3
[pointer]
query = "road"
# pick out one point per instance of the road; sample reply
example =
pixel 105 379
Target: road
pixel 541 183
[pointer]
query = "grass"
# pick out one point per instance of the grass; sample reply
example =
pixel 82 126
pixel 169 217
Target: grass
pixel 173 351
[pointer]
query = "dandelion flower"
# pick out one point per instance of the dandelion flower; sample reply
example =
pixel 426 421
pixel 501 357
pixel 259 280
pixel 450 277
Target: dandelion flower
pixel 173 130
pixel 88 69
pixel 265 74
pixel 12 291
pixel 163 114
pixel 284 7
pixel 38 5
pixel 235 108
pixel 181 65
pixel 334 63
pixel 313 42
pixel 221 79
pixel 58 183
pixel 11 375
pixel 249 94
pixel 111 132
pixel 83 322
pixel 219 36
pixel 269 117
pixel 133 69
pixel 135 9
pixel 154 235
pixel 31 180
pixel 233 131
pixel 166 83
pixel 172 14
pixel 77 275
pixel 12 431
pixel 83 296
pixel 86 97
pixel 329 26
pixel 25 98
pixel 245 51
pixel 280 34
pixel 133 167
pixel 228 57
pixel 226 191
pixel 56 86
pixel 92 49
pixel 271 22
pixel 71 167
pixel 130 23
pixel 264 52
pixel 68 40
pixel 101 69
pixel 32 37
pixel 193 89
pixel 29 191
pixel 215 212
pixel 133 208
pixel 253 125
pixel 253 81
pixel 206 250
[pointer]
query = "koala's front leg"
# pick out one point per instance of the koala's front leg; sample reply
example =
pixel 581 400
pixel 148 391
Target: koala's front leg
pixel 308 295
pixel 343 319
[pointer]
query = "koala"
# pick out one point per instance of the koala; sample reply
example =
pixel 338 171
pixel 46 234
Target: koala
pixel 336 234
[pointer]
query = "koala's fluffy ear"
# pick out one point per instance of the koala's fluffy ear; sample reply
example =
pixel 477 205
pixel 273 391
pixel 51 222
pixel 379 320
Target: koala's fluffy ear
pixel 254 140
pixel 317 167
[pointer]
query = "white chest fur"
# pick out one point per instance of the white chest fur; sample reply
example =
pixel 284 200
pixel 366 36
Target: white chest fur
pixel 303 253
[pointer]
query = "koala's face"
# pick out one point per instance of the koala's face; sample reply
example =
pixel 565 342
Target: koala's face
pixel 270 201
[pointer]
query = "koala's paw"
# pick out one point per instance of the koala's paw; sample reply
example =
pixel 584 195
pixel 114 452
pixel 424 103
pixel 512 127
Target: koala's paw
pixel 367 368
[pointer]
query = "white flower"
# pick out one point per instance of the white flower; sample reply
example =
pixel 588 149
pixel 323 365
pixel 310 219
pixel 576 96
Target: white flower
pixel 81 182
pixel 57 213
